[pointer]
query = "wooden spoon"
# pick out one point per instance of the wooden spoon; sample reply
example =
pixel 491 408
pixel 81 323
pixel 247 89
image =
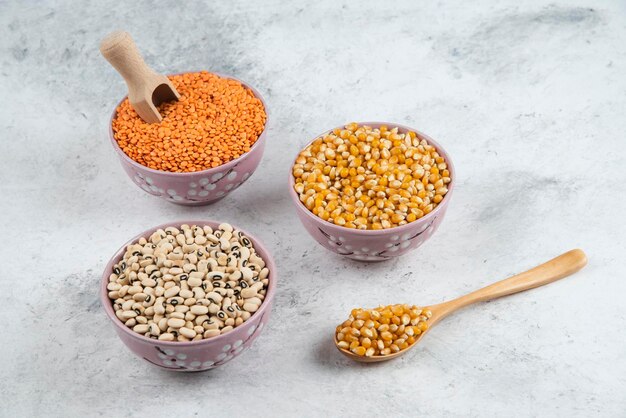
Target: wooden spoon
pixel 551 271
pixel 146 88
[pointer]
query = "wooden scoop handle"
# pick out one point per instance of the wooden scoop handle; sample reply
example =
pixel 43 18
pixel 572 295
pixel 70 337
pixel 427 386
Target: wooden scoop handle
pixel 120 50
pixel 548 272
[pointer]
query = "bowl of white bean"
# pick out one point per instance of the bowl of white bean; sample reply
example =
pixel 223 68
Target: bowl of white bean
pixel 189 296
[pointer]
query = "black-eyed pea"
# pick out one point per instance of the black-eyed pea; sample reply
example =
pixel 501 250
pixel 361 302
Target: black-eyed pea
pixel 140 297
pixel 190 301
pixel 231 311
pixel 128 305
pixel 120 314
pixel 187 332
pixel 154 329
pixel 188 267
pixel 141 319
pixel 229 322
pixel 175 323
pixel 238 321
pixel 226 329
pixel 189 248
pixel 171 230
pixel 114 286
pixel 148 300
pixel 222 260
pixel 163 324
pixel 214 308
pixel 264 273
pixel 246 273
pixel 207 286
pixel 199 309
pixel 159 291
pixel 199 329
pixel 181 308
pixel 149 312
pixel 180 239
pixel 256 300
pixel 248 292
pixel 210 324
pixel 211 333
pixel 184 293
pixel 130 322
pixel 214 297
pixel 169 309
pixel 159 306
pixel 200 319
pixel 250 307
pixel 221 315
pixel 114 294
pixel 148 282
pixel 123 290
pixel 141 328
pixel 179 315
pixel 171 291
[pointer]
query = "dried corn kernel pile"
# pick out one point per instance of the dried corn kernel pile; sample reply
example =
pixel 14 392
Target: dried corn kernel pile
pixel 215 121
pixel 382 331
pixel 370 178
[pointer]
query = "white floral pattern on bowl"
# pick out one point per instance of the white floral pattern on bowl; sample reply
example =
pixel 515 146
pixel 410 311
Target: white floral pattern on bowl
pixel 398 242
pixel 171 359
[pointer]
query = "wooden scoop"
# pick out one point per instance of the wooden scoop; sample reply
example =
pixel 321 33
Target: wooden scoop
pixel 146 88
pixel 548 272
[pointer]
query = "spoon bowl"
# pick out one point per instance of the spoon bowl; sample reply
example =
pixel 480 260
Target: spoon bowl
pixel 548 272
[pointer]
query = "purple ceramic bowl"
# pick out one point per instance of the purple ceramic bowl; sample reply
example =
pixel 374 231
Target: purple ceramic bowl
pixel 375 245
pixel 194 355
pixel 200 187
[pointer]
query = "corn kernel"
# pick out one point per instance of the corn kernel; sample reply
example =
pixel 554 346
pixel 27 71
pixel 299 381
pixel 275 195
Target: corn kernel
pixel 379 167
pixel 382 331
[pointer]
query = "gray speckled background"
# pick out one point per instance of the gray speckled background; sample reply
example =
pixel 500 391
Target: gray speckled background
pixel 528 97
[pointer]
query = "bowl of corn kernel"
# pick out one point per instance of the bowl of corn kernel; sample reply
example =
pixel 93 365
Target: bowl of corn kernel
pixel 371 191
pixel 209 142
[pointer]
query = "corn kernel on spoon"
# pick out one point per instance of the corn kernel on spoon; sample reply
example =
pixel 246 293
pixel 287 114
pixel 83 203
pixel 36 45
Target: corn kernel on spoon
pixel 419 321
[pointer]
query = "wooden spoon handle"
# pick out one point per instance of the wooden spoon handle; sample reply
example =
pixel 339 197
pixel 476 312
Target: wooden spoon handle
pixel 548 272
pixel 120 50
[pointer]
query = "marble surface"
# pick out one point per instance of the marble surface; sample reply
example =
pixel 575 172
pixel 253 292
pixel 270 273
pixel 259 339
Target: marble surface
pixel 528 97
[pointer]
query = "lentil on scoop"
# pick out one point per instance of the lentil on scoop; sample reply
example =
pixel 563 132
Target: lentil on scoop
pixel 188 284
pixel 370 178
pixel 215 121
pixel 383 330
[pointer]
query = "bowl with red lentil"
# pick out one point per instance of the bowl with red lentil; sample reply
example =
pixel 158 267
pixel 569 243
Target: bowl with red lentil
pixel 191 295
pixel 208 143
pixel 371 191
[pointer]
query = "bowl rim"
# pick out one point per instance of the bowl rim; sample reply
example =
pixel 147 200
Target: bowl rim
pixel 208 171
pixel 107 303
pixel 378 232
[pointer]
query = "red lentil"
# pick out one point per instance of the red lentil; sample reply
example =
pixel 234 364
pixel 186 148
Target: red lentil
pixel 215 121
